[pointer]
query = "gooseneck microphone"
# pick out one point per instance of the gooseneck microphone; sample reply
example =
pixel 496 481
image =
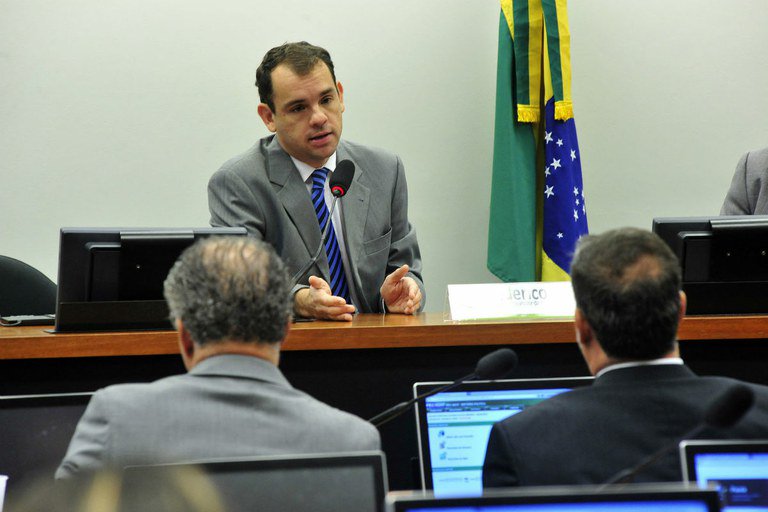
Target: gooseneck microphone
pixel 339 183
pixel 495 365
pixel 341 179
pixel 724 412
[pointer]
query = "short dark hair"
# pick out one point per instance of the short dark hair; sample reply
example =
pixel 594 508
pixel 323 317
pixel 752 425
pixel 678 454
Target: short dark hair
pixel 301 57
pixel 230 288
pixel 627 284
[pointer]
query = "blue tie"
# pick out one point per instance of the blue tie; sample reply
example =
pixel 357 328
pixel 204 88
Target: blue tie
pixel 338 279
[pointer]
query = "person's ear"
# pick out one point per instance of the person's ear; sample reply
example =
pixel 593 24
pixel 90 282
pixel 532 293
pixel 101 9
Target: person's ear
pixel 186 345
pixel 340 88
pixel 584 334
pixel 267 116
pixel 683 305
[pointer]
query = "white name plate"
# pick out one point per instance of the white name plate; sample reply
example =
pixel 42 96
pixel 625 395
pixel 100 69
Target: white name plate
pixel 511 300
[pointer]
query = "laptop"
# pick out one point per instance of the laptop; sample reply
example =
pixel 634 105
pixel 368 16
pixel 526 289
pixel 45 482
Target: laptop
pixel 36 430
pixel 739 470
pixel 348 482
pixel 628 498
pixel 453 427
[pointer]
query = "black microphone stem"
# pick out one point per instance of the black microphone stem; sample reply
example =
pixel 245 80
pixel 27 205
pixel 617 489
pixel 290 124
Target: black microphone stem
pixel 394 412
pixel 626 476
pixel 298 275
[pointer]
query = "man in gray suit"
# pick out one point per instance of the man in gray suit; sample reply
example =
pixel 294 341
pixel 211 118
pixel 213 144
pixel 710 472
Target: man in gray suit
pixel 748 194
pixel 371 261
pixel 229 298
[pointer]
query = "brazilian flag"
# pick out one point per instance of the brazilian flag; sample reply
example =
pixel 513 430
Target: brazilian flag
pixel 538 209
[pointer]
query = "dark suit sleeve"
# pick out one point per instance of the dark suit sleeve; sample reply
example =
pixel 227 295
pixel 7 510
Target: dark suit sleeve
pixel 498 468
pixel 737 200
pixel 404 248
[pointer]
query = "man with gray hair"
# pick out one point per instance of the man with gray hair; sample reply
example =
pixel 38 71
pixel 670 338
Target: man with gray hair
pixel 629 303
pixel 229 298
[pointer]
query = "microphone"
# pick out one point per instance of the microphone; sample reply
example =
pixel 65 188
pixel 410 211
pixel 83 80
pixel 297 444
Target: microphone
pixel 341 180
pixel 724 412
pixel 495 365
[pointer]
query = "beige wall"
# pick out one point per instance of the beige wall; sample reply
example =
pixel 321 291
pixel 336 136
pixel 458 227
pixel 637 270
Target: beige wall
pixel 116 113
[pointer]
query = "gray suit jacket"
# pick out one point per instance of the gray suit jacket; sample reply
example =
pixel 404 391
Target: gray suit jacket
pixel 748 194
pixel 588 434
pixel 262 191
pixel 226 406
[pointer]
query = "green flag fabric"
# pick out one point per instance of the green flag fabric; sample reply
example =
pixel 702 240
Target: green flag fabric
pixel 512 253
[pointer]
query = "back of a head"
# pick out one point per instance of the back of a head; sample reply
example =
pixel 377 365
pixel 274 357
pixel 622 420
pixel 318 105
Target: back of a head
pixel 180 489
pixel 627 284
pixel 301 57
pixel 230 288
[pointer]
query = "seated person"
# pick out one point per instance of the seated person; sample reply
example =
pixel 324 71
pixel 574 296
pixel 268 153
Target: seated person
pixel 229 298
pixel 748 194
pixel 278 190
pixel 628 306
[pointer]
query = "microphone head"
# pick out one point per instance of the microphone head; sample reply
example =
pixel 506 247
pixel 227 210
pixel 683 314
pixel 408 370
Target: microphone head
pixel 341 177
pixel 496 365
pixel 727 409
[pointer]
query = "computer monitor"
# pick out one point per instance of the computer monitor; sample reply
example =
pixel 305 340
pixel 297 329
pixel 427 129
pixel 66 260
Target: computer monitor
pixel 724 261
pixel 453 426
pixel 739 470
pixel 35 434
pixel 345 482
pixel 112 278
pixel 565 499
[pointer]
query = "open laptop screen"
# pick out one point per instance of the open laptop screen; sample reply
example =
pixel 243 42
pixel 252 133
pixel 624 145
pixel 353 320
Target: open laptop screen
pixel 739 469
pixel 344 482
pixel 556 499
pixel 36 430
pixel 454 426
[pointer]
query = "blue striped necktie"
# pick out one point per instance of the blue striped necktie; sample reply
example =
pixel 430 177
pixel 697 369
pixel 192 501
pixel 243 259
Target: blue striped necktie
pixel 338 279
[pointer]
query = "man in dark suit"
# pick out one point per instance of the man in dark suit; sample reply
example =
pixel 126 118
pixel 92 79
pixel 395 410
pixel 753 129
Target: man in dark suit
pixel 230 301
pixel 629 302
pixel 371 261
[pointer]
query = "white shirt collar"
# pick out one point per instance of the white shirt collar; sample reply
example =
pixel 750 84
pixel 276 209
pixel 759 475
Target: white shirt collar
pixel 306 170
pixel 632 364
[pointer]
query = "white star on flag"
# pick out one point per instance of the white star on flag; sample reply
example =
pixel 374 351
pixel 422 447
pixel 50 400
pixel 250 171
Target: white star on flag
pixel 547 136
pixel 548 191
pixel 578 202
pixel 559 142
pixel 559 235
pixel 573 155
pixel 546 171
pixel 575 191
pixel 575 215
pixel 555 163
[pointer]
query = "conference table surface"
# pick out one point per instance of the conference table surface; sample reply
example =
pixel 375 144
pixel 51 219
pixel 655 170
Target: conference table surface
pixel 366 331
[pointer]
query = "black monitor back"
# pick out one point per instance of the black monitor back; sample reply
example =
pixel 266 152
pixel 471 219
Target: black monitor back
pixel 112 278
pixel 724 261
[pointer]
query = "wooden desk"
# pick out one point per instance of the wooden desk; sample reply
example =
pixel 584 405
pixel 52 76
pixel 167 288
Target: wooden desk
pixel 366 331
